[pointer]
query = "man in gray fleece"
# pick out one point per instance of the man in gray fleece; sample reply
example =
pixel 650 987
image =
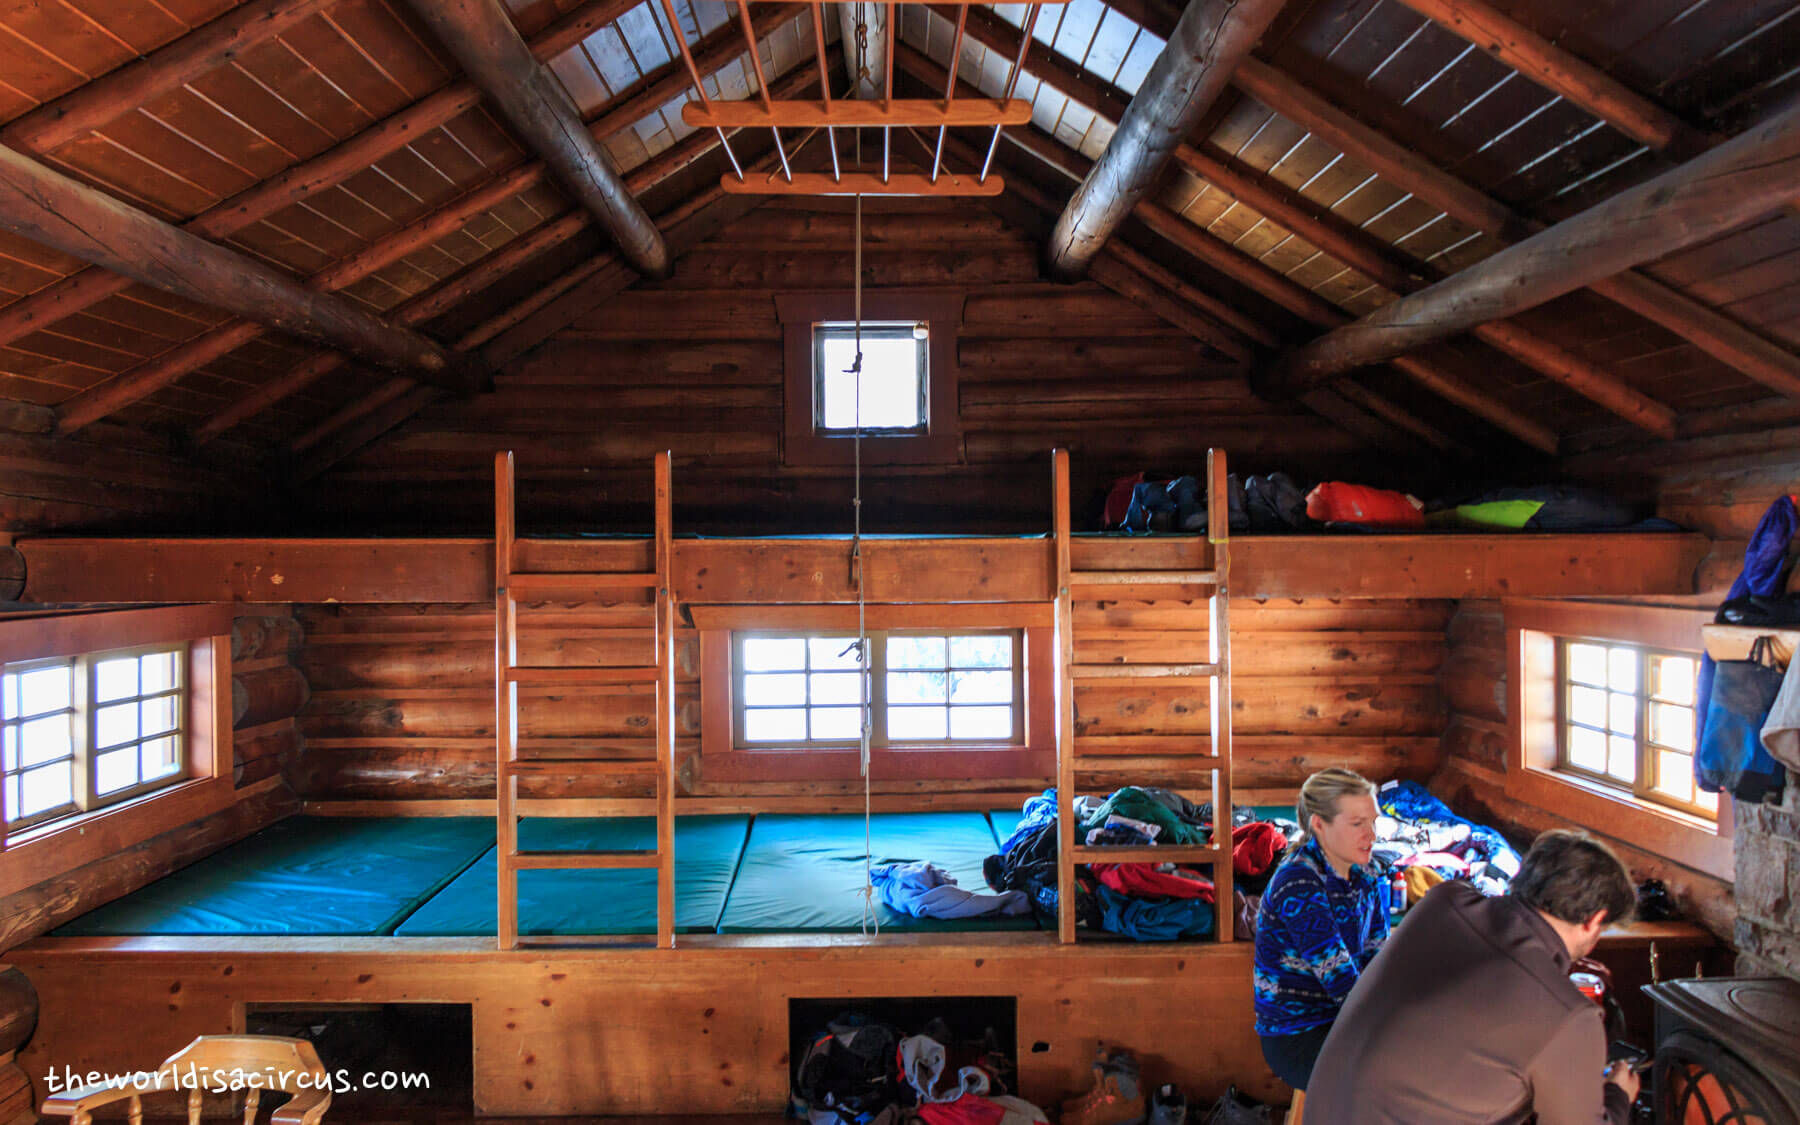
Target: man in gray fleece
pixel 1468 1015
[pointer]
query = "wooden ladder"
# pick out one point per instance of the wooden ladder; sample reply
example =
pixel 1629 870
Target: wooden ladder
pixel 1167 766
pixel 510 587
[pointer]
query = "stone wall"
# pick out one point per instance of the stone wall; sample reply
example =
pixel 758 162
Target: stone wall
pixel 1768 887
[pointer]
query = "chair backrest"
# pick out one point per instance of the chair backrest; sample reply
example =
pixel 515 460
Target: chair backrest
pixel 223 1065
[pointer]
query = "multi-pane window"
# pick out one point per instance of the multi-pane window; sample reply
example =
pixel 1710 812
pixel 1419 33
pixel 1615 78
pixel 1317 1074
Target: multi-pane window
pixel 1628 719
pixel 82 732
pixel 924 689
pixel 888 396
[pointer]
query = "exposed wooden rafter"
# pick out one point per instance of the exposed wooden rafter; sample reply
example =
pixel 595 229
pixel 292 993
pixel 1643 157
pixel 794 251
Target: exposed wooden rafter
pixel 50 208
pixel 1734 184
pixel 481 36
pixel 1194 68
pixel 88 287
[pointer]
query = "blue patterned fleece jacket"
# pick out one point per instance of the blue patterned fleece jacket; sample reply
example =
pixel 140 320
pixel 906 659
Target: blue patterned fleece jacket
pixel 1315 934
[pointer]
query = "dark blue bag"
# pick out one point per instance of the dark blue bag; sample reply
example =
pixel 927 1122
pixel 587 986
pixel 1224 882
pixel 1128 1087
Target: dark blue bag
pixel 1731 757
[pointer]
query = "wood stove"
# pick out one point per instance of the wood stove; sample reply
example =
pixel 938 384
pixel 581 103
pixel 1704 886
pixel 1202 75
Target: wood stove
pixel 1727 1051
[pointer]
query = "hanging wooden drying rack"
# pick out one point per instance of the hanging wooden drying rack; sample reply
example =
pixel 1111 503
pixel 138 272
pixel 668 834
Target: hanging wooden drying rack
pixel 886 113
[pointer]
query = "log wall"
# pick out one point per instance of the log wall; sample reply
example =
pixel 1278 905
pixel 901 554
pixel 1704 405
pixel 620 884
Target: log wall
pixel 694 364
pixel 402 696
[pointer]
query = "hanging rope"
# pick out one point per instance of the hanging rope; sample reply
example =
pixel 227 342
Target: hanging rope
pixel 870 918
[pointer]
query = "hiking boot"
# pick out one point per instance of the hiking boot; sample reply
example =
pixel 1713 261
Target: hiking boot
pixel 1233 1108
pixel 1168 1106
pixel 1116 1099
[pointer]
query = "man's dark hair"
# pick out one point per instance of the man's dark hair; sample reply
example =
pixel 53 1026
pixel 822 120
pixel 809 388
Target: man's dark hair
pixel 1569 875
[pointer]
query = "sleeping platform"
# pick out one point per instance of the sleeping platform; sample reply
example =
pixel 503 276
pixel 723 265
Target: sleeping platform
pixel 590 990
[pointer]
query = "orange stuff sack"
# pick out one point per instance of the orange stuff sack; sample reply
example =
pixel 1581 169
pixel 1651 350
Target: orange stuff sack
pixel 1336 502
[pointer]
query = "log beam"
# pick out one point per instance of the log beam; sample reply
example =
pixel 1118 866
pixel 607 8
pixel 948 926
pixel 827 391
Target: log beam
pixel 1736 183
pixel 88 287
pixel 1194 68
pixel 481 36
pixel 55 210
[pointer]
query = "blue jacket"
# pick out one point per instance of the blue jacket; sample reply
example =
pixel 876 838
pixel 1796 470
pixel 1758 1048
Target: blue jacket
pixel 1315 934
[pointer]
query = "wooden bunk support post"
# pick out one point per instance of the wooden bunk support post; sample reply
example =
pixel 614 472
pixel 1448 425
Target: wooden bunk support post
pixel 1158 765
pixel 510 587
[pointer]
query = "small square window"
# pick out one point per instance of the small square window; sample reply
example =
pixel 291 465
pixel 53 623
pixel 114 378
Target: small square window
pixel 889 396
pixel 1628 721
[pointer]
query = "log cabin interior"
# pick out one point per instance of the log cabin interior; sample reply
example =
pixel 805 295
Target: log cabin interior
pixel 510 509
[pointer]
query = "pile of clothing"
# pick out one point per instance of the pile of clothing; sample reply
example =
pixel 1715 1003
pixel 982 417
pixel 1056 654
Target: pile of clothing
pixel 857 1071
pixel 1420 838
pixel 1142 901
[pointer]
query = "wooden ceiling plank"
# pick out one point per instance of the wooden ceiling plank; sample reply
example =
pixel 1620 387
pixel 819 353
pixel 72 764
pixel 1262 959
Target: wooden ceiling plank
pixel 1734 184
pixel 120 91
pixel 481 36
pixel 1707 328
pixel 1565 74
pixel 327 169
pixel 1194 68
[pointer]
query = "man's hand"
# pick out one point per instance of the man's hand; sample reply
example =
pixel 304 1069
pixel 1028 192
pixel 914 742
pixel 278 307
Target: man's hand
pixel 1621 1075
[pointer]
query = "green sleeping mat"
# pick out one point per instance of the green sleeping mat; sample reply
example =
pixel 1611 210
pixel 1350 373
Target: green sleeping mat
pixel 805 873
pixel 303 875
pixel 574 902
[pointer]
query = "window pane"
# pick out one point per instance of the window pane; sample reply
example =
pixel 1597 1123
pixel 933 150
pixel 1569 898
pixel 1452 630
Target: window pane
pixel 837 722
pixel 1621 758
pixel 115 771
pixel 115 679
pixel 916 687
pixel 9 747
pixel 981 652
pixel 1672 678
pixel 1707 801
pixel 157 716
pixel 1623 714
pixel 46 740
pixel 836 687
pixel 1587 706
pixel 116 724
pixel 1672 726
pixel 157 759
pixel 981 722
pixel 915 652
pixel 1587 664
pixel 45 690
pixel 914 724
pixel 774 654
pixel 1622 669
pixel 1675 774
pixel 11 799
pixel 46 788
pixel 157 671
pixel 1587 749
pixel 787 725
pixel 981 687
pixel 9 693
pixel 783 690
pixel 889 383
pixel 828 653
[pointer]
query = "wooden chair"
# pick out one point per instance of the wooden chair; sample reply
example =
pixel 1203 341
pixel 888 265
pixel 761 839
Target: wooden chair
pixel 1296 1108
pixel 217 1064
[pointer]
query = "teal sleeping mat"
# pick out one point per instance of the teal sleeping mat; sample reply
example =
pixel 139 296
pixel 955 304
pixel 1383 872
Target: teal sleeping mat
pixel 303 875
pixel 805 873
pixel 1005 821
pixel 571 903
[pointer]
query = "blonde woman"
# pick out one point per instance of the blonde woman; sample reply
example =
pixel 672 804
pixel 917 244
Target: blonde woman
pixel 1322 921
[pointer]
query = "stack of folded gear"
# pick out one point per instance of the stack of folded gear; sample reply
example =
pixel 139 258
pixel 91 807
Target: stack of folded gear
pixel 1420 837
pixel 860 1072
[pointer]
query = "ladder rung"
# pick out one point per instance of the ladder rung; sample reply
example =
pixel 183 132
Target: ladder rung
pixel 1141 671
pixel 1151 764
pixel 582 677
pixel 589 861
pixel 1143 577
pixel 1147 853
pixel 544 582
pixel 591 767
